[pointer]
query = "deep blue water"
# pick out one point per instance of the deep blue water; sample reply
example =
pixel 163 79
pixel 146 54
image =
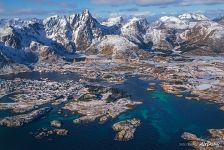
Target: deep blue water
pixel 53 76
pixel 164 118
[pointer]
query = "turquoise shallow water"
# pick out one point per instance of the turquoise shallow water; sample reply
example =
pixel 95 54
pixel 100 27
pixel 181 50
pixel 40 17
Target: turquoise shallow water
pixel 164 118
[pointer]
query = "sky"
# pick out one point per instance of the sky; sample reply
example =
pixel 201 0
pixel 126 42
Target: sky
pixel 105 8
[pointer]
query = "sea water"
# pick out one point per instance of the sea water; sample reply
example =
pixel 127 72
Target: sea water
pixel 164 118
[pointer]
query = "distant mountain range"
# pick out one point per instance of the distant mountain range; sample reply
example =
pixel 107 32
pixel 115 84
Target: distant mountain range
pixel 31 41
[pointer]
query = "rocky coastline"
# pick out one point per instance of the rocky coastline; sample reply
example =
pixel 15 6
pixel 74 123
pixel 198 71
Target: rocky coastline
pixel 46 133
pixel 214 142
pixel 202 77
pixel 20 120
pixel 126 129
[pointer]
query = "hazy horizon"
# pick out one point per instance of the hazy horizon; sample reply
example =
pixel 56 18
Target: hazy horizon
pixel 104 9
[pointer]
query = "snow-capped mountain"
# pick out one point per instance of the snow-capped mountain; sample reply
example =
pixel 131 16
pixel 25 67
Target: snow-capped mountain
pixel 219 20
pixel 113 21
pixel 160 39
pixel 193 16
pixel 17 22
pixel 134 30
pixel 187 33
pixel 115 47
pixel 75 31
pixel 204 37
pixel 52 36
pixel 181 22
pixel 31 41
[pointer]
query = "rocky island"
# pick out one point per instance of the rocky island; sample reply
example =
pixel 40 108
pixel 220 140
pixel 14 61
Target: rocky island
pixel 214 142
pixel 126 129
pixel 56 123
pixel 100 103
pixel 19 120
pixel 44 133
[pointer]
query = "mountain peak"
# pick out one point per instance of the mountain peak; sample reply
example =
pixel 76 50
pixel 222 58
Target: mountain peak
pixel 136 20
pixel 86 13
pixel 113 21
pixel 170 19
pixel 192 16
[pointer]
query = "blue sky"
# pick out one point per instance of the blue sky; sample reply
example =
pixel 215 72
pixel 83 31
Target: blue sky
pixel 104 8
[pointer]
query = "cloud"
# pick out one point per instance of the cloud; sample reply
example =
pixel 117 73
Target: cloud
pixel 132 14
pixel 129 9
pixel 23 12
pixel 153 2
pixel 157 2
pixel 56 7
pixel 138 2
pixel 27 12
pixel 112 2
pixel 214 13
pixel 204 2
pixel 51 7
pixel 2 9
pixel 53 3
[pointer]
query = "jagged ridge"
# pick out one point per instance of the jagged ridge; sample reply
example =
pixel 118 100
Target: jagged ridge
pixel 32 41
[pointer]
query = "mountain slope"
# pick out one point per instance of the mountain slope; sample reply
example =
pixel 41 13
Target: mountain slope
pixel 135 30
pixel 31 41
pixel 219 20
pixel 204 38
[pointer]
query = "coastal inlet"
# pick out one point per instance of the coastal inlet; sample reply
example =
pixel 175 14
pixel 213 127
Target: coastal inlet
pixel 49 113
